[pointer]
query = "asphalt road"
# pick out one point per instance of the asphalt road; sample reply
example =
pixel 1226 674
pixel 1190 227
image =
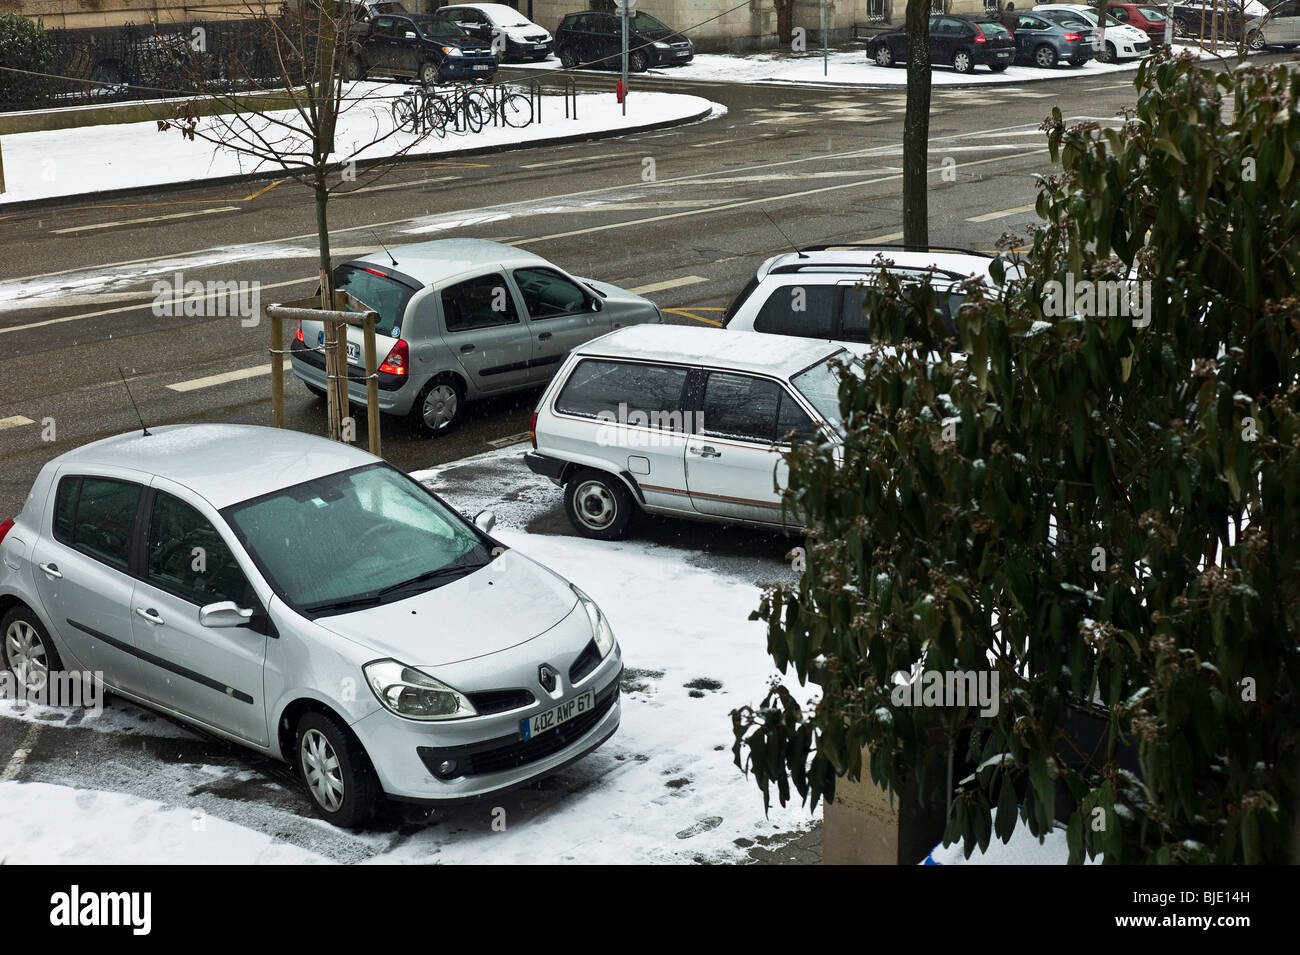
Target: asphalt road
pixel 77 281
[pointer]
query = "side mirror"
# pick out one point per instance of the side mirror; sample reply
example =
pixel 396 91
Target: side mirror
pixel 224 613
pixel 485 521
pixel 596 304
pixel 410 34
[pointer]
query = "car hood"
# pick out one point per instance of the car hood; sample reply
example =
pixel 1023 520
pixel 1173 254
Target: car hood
pixel 615 295
pixel 509 602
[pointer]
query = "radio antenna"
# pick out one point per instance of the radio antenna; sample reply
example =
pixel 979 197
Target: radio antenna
pixel 797 252
pixel 385 248
pixel 143 427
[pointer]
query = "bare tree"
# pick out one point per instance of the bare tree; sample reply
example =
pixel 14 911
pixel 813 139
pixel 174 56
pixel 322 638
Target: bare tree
pixel 916 126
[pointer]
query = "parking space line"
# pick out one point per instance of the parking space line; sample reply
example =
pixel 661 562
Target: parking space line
pixel 396 185
pixel 20 755
pixel 172 215
pixel 14 421
pixel 887 237
pixel 222 379
pixel 510 439
pixel 990 216
pixel 665 285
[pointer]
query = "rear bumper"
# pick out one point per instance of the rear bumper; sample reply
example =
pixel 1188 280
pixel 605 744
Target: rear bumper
pixel 396 395
pixel 547 467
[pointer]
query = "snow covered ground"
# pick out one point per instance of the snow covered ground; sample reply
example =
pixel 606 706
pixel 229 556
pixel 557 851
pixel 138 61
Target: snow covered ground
pixel 847 67
pixel 88 159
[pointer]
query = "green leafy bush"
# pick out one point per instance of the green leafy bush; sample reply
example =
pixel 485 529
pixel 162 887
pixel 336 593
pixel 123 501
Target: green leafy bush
pixel 1102 506
pixel 23 46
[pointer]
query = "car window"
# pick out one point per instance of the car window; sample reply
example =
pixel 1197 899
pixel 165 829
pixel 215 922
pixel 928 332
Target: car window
pixel 1030 23
pixel 480 302
pixel 804 310
pixel 576 23
pixel 641 22
pixel 820 385
pixel 994 29
pixel 599 388
pixel 547 293
pixel 1152 14
pixel 792 422
pixel 384 295
pixel 187 556
pixel 383 26
pixel 739 406
pixel 1120 14
pixel 97 517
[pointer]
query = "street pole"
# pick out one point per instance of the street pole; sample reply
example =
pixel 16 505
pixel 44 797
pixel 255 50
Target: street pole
pixel 624 12
pixel 826 50
pixel 1169 24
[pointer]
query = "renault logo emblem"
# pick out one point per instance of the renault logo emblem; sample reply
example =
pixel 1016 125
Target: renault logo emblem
pixel 546 676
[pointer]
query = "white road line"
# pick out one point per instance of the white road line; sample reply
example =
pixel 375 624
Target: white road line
pixel 569 162
pixel 670 283
pixel 222 379
pixel 887 237
pixel 396 185
pixel 990 216
pixel 4 330
pixel 14 421
pixel 510 439
pixel 173 215
pixel 20 755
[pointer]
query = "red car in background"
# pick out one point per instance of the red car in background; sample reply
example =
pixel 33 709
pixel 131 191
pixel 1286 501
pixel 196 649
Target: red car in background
pixel 1146 17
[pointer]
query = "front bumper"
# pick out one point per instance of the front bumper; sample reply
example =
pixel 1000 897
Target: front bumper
pixel 525 50
pixel 468 67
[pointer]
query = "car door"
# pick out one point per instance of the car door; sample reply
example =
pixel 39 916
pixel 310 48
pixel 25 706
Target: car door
pixel 210 674
pixel 378 47
pixel 733 462
pixel 1285 25
pixel 1029 34
pixel 609 40
pixel 482 327
pixel 561 316
pixel 83 573
pixel 406 49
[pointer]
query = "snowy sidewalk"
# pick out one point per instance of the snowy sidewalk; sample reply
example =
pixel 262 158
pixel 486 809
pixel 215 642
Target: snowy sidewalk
pixel 92 159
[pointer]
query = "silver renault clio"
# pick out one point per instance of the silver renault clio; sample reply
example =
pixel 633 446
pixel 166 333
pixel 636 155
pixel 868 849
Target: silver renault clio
pixel 308 600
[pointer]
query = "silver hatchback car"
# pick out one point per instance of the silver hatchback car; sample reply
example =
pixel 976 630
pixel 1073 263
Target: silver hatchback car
pixel 462 319
pixel 310 601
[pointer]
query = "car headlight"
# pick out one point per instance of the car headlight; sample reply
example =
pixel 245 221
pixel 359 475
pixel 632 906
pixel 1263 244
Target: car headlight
pixel 452 50
pixel 662 46
pixel 601 631
pixel 415 695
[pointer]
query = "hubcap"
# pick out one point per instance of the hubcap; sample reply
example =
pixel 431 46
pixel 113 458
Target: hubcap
pixel 963 61
pixel 440 406
pixel 883 56
pixel 321 767
pixel 1045 58
pixel 27 656
pixel 596 505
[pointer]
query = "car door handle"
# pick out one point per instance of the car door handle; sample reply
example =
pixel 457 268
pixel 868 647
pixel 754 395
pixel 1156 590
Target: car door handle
pixel 708 451
pixel 466 348
pixel 543 336
pixel 51 571
pixel 150 615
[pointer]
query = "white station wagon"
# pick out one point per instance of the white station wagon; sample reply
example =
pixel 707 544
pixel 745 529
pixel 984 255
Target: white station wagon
pixel 688 422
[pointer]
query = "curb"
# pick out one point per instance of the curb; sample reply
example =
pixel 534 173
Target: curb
pixel 167 187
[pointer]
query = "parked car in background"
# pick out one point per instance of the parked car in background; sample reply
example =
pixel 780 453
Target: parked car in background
pixel 1147 17
pixel 430 49
pixel 682 421
pixel 521 38
pixel 958 40
pixel 1279 27
pixel 595 39
pixel 1200 19
pixel 1118 42
pixel 363 10
pixel 343 618
pixel 462 319
pixel 818 292
pixel 1048 37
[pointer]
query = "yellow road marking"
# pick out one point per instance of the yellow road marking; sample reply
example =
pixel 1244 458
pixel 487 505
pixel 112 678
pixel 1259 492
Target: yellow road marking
pixel 263 190
pixel 687 313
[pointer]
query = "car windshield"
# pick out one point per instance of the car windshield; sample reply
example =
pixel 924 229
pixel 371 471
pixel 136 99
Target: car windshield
pixel 1152 14
pixel 820 384
pixel 994 29
pixel 643 22
pixel 381 293
pixel 354 539
pixel 1068 21
pixel 439 26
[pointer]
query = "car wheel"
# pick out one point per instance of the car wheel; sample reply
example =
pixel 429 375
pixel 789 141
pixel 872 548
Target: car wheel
pixel 598 505
pixel 316 392
pixel 637 62
pixel 1181 27
pixel 1107 54
pixel 997 67
pixel 429 74
pixel 568 59
pixel 353 70
pixel 962 61
pixel 27 649
pixel 440 407
pixel 1045 57
pixel 884 55
pixel 1256 40
pixel 340 780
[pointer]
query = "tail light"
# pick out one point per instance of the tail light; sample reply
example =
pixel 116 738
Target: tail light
pixel 5 526
pixel 979 35
pixel 398 361
pixel 1072 38
pixel 532 434
pixel 298 336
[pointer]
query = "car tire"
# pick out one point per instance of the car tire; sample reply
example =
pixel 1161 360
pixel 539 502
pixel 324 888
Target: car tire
pixel 440 407
pixel 568 59
pixel 598 505
pixel 429 74
pixel 1256 40
pixel 26 648
pixel 637 62
pixel 1181 28
pixel 998 67
pixel 353 70
pixel 1107 54
pixel 318 393
pixel 884 55
pixel 1045 57
pixel 341 783
pixel 963 62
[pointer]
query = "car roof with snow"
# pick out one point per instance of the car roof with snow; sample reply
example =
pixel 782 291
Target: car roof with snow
pixel 496 11
pixel 756 352
pixel 222 463
pixel 857 259
pixel 441 259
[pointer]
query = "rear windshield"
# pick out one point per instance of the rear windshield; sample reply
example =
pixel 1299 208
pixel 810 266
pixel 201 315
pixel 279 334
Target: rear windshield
pixel 381 293
pixel 994 29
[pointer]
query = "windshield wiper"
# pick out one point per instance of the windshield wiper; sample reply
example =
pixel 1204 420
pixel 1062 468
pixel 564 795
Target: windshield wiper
pixel 459 570
pixel 348 603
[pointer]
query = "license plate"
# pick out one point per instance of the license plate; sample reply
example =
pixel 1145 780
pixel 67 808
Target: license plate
pixel 682 53
pixel 548 720
pixel 1003 56
pixel 539 46
pixel 354 353
pixel 482 67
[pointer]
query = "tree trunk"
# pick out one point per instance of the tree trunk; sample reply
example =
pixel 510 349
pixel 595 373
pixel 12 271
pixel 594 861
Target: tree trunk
pixel 916 126
pixel 784 20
